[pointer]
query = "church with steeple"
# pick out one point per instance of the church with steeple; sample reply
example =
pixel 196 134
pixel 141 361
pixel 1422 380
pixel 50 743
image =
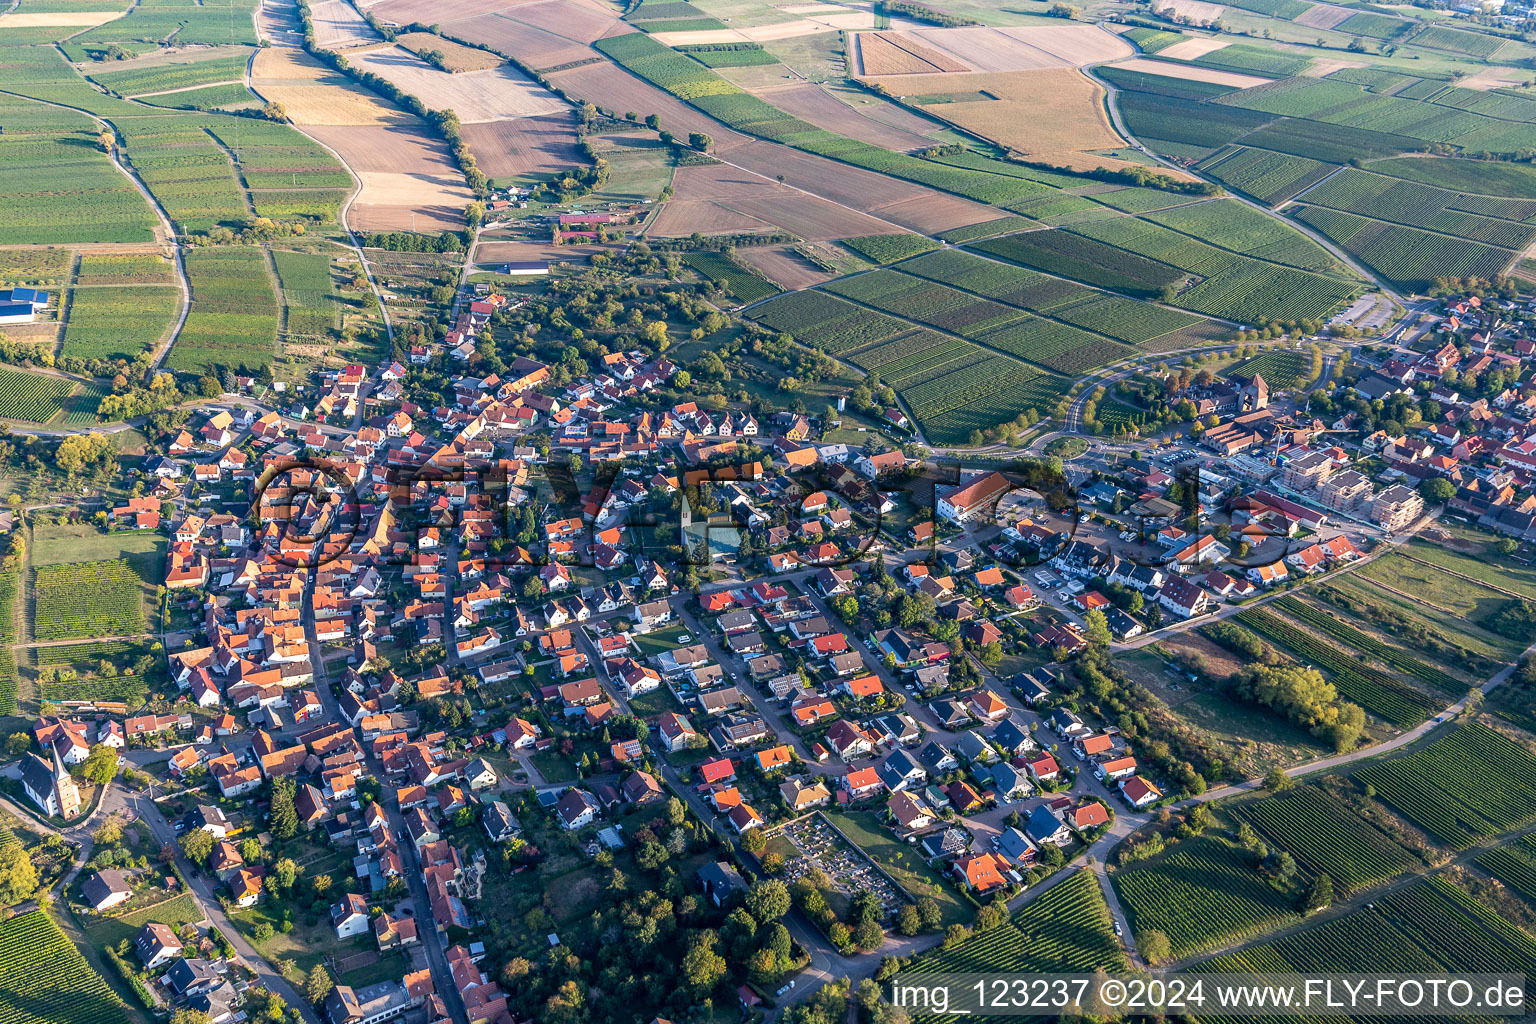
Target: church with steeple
pixel 50 788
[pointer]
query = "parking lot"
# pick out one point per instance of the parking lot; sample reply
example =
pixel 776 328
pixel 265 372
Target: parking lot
pixel 851 872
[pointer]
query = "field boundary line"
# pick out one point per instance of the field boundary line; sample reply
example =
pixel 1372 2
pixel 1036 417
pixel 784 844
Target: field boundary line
pixel 67 302
pixel 344 215
pixel 1112 93
pixel 1297 197
pixel 183 88
pixel 1464 576
pixel 166 224
pixel 1410 597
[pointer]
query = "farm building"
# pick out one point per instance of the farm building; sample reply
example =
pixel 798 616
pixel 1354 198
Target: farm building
pixel 20 305
pixel 525 268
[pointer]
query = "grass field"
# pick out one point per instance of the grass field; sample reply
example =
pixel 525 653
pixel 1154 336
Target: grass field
pixel 56 543
pixel 234 317
pixel 118 321
pixel 179 910
pixel 1423 622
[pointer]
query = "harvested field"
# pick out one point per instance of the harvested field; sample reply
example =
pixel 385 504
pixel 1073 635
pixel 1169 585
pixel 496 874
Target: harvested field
pixel 1323 67
pixel 719 197
pixel 1025 48
pixel 519 251
pixel 498 94
pixel 313 94
pixel 581 22
pixel 1056 115
pixel 1197 11
pixel 885 111
pixel 911 206
pixel 924 210
pixel 407 12
pixel 1193 49
pixel 1323 16
pixel 818 106
pixel 339 25
pixel 527 145
pixel 58 19
pixel 841 19
pixel 783 266
pixel 886 53
pixel 1494 78
pixel 403 171
pixel 1192 74
pixel 534 47
pixel 613 88
pixel 457 56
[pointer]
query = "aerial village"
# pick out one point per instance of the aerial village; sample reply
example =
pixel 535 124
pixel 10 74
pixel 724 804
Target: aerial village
pixel 545 622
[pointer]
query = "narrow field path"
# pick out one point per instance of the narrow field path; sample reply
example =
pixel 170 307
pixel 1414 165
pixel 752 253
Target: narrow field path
pixel 344 215
pixel 167 230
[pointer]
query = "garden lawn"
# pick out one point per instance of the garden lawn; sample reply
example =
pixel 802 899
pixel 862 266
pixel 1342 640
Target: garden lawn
pixel 76 542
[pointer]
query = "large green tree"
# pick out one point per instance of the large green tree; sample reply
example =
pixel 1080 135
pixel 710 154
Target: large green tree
pixel 283 816
pixel 100 765
pixel 18 877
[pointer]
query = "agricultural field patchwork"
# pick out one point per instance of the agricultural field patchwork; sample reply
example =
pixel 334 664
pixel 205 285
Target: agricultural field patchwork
pixel 1408 257
pixel 61 187
pixel 1084 259
pixel 165 77
pixel 1267 176
pixel 118 321
pixel 234 317
pixel 221 24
